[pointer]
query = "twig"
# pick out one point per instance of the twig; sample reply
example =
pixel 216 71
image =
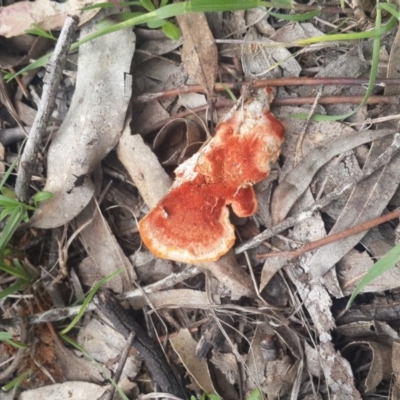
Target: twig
pixel 51 81
pixel 288 101
pixel 335 237
pixel 382 160
pixel 221 87
pixel 57 314
pixel 121 364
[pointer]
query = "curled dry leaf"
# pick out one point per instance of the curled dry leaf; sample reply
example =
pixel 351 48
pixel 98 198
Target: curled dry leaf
pixel 191 223
pixel 91 128
pixel 178 140
pixel 16 18
pixel 380 367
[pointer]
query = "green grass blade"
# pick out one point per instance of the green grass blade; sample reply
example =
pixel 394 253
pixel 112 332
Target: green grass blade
pixel 147 4
pixel 111 5
pixel 8 172
pixel 15 218
pixel 88 299
pixel 41 196
pixel 380 267
pixel 15 383
pixel 17 345
pixel 14 288
pixel 377 32
pixel 391 8
pixel 372 78
pixel 39 31
pixel 5 336
pixel 18 273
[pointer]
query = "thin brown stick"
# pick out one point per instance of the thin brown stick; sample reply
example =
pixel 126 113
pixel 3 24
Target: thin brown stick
pixel 335 237
pixel 289 101
pixel 121 364
pixel 221 87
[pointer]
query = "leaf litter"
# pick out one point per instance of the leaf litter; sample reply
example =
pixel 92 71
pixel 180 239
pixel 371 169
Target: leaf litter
pixel 276 325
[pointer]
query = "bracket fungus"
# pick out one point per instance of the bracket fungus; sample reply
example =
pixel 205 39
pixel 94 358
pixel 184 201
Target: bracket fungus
pixel 191 223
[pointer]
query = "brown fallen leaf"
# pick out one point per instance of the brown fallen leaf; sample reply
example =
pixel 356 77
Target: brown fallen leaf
pixel 103 248
pixel 379 366
pixel 185 346
pixel 16 18
pixel 199 51
pixel 66 391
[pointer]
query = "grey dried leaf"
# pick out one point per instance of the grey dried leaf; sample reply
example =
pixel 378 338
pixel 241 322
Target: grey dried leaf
pixel 92 127
pixel 65 391
pixel 299 178
pixel 367 201
pixel 103 248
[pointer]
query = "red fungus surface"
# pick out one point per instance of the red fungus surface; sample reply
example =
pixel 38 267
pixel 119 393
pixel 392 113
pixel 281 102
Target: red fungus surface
pixel 191 223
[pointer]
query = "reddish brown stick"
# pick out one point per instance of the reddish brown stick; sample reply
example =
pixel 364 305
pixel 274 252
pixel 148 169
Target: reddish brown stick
pixel 335 237
pixel 221 87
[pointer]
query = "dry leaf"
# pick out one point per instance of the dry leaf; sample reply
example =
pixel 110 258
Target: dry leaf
pixel 65 391
pixel 367 201
pixel 299 178
pixel 92 127
pixel 102 247
pixel 178 140
pixel 143 167
pixel 75 368
pixel 199 51
pixel 16 18
pixel 185 346
pixel 105 344
pixel 378 358
pixel 22 49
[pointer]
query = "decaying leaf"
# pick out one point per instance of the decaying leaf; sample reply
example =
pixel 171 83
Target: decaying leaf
pixel 178 140
pixel 199 51
pixel 104 249
pixel 191 223
pixel 143 167
pixel 75 368
pixel 376 355
pixel 21 49
pixel 185 346
pixel 300 177
pixel 18 17
pixel 367 201
pixel 396 368
pixel 65 391
pixel 105 345
pixel 92 127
